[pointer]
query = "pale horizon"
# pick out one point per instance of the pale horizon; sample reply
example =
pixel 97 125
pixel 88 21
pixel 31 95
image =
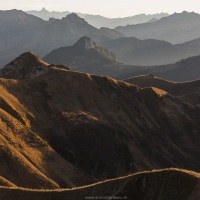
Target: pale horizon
pixel 109 9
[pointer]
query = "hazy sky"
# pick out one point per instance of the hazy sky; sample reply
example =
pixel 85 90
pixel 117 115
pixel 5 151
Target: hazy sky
pixel 109 8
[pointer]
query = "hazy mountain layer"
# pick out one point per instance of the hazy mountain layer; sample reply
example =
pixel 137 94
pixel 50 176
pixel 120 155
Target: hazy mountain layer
pixel 86 56
pixel 176 28
pixel 99 21
pixel 144 52
pixel 22 32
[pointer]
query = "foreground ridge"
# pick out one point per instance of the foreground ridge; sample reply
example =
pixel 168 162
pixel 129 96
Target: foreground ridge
pixel 163 184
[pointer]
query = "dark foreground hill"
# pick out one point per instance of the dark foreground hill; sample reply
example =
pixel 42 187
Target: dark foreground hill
pixel 170 184
pixel 65 129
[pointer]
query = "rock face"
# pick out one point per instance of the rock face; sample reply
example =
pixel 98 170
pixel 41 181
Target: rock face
pixel 170 184
pixel 25 66
pixel 84 53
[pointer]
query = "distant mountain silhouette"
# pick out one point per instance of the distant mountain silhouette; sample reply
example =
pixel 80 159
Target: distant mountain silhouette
pixel 150 52
pixel 144 52
pixel 23 32
pixel 191 48
pixel 184 70
pixel 176 28
pixel 46 15
pixel 97 20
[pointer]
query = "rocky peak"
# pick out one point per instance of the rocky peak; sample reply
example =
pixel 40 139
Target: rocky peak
pixel 85 43
pixel 27 65
pixel 73 18
pixel 44 10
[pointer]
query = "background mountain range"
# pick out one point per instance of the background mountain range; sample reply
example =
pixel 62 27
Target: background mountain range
pixel 22 32
pixel 100 21
pixel 176 28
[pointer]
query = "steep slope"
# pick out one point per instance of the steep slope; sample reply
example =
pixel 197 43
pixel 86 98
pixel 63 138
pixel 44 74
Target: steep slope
pixel 86 56
pixel 16 25
pixel 176 28
pixel 26 159
pixel 64 128
pixel 175 88
pixel 104 127
pixel 157 185
pixel 144 52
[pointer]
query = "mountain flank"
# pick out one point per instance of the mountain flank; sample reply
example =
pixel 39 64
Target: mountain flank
pixel 65 129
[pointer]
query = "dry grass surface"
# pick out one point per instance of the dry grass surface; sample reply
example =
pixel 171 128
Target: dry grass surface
pixel 168 184
pixel 175 88
pixel 65 129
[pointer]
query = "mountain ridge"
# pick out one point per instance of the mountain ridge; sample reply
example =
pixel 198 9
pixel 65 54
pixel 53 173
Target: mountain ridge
pixel 99 21
pixel 176 28
pixel 136 186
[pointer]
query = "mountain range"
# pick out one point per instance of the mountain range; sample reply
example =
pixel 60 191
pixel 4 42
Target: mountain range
pixel 176 28
pixel 22 32
pixel 86 56
pixel 97 20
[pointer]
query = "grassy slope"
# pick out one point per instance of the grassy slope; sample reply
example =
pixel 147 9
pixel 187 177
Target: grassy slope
pixel 169 184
